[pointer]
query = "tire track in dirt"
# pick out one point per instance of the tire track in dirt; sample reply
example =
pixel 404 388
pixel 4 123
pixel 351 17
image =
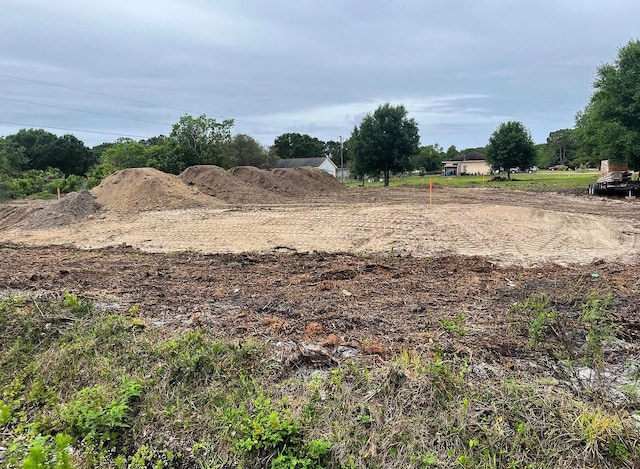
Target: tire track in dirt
pixel 528 230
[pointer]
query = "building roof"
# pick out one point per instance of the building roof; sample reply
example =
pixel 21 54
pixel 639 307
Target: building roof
pixel 299 162
pixel 471 156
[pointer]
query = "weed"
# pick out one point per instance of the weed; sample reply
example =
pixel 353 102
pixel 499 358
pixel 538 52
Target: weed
pixel 42 452
pixel 455 326
pixel 97 414
pixel 75 304
pixel 602 433
pixel 5 413
pixel 540 325
pixel 600 326
pixel 265 433
pixel 545 319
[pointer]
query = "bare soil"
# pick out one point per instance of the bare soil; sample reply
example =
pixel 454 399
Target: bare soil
pixel 295 255
pixel 375 305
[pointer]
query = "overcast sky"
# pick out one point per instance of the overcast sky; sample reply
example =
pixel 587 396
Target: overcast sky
pixel 309 66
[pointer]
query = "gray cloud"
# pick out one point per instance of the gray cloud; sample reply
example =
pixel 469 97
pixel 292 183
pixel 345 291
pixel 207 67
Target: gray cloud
pixel 460 67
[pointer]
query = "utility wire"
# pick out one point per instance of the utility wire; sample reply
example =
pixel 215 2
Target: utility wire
pixel 72 130
pixel 80 90
pixel 82 110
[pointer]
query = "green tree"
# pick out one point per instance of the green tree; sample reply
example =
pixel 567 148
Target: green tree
pixel 429 158
pixel 123 155
pixel 385 141
pixel 12 158
pixel 98 150
pixel 562 146
pixel 609 126
pixel 295 145
pixel 452 152
pixel 44 150
pixel 332 150
pixel 203 140
pixel 511 146
pixel 37 145
pixel 166 155
pixel 71 156
pixel 159 140
pixel 247 151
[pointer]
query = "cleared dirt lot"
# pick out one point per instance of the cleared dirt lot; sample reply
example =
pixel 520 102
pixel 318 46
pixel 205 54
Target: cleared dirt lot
pixel 356 267
pixel 524 228
pixel 452 293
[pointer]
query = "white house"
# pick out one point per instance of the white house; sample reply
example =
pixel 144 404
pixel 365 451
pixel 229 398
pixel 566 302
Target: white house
pixel 324 163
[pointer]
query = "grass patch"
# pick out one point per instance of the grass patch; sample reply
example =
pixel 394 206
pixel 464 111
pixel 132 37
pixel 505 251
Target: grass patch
pixel 98 389
pixel 541 180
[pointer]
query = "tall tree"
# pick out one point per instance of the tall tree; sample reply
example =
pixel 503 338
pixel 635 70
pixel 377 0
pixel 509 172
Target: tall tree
pixel 125 155
pixel 203 140
pixel 71 156
pixel 295 145
pixel 429 159
pixel 37 145
pixel 12 158
pixel 44 150
pixel 166 155
pixel 337 154
pixel 385 141
pixel 511 146
pixel 247 151
pixel 561 147
pixel 452 152
pixel 609 126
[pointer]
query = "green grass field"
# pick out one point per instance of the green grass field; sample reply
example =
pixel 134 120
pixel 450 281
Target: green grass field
pixel 542 180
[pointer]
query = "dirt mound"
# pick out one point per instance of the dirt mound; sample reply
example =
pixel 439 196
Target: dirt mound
pixel 139 189
pixel 257 177
pixel 71 208
pixel 296 182
pixel 14 214
pixel 216 182
pixel 310 180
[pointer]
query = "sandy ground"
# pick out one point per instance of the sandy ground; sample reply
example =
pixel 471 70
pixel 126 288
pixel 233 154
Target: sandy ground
pixel 509 227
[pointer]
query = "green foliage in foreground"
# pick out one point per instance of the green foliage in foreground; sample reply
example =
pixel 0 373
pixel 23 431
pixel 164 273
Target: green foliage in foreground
pixel 542 180
pixel 80 387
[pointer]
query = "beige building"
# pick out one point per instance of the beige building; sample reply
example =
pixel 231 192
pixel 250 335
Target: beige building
pixel 471 163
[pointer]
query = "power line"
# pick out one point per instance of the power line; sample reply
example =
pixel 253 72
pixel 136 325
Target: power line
pixel 96 93
pixel 84 111
pixel 72 130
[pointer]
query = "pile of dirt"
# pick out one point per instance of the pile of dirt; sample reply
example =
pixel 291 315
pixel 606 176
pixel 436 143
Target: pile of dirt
pixel 256 177
pixel 216 182
pixel 310 180
pixel 139 189
pixel 290 183
pixel 71 208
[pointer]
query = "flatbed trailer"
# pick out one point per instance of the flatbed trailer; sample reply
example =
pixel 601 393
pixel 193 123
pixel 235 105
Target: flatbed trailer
pixel 622 189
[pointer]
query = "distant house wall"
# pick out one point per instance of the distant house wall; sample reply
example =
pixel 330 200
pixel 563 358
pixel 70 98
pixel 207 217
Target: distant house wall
pixel 328 166
pixel 461 165
pixel 343 173
pixel 474 167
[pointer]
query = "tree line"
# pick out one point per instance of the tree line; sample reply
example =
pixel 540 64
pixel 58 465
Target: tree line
pixel 34 162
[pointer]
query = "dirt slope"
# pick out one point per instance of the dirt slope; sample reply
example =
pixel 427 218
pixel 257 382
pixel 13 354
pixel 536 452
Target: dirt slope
pixel 223 185
pixel 140 189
